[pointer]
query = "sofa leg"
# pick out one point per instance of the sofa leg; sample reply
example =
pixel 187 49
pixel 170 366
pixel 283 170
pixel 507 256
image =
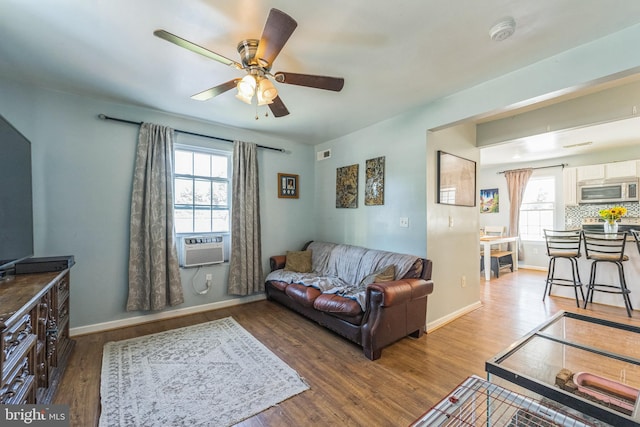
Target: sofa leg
pixel 417 334
pixel 372 354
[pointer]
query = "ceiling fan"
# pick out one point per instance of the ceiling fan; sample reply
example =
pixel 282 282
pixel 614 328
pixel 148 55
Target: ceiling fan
pixel 257 58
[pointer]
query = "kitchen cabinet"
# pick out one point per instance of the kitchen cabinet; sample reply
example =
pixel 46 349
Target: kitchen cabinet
pixel 587 173
pixel 570 186
pixel 621 169
pixel 614 170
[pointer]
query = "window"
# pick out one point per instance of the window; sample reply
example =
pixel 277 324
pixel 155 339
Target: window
pixel 538 208
pixel 202 190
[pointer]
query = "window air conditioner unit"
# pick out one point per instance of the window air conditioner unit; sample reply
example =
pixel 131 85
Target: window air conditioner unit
pixel 198 251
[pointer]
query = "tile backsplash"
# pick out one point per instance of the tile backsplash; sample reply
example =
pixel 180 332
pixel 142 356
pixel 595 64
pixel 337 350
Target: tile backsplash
pixel 573 215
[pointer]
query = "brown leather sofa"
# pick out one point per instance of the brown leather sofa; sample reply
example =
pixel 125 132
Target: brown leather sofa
pixel 385 312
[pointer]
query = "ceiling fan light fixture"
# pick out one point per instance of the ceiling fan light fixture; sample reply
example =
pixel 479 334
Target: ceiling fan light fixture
pixel 247 86
pixel 244 98
pixel 266 90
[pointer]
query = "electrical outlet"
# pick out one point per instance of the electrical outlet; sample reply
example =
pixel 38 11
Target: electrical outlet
pixel 209 277
pixel 404 222
pixel 463 281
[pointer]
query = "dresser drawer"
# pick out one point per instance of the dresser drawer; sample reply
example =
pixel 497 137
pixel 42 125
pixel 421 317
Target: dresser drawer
pixel 18 378
pixel 15 340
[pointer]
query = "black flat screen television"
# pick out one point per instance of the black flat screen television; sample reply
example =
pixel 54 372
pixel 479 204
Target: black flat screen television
pixel 16 204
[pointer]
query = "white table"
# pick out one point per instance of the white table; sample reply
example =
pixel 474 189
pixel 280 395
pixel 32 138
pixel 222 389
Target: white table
pixel 487 241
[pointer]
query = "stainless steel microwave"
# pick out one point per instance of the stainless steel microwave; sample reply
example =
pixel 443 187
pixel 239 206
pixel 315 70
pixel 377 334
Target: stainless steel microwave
pixel 608 191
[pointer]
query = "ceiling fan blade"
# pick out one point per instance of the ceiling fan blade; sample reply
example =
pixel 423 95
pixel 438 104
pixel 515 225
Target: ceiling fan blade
pixel 318 82
pixel 216 90
pixel 195 48
pixel 278 108
pixel 277 30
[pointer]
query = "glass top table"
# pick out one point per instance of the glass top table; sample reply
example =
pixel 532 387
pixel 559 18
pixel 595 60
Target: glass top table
pixel 591 365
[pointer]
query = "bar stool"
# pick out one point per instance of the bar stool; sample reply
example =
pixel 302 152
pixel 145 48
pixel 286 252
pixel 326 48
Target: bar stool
pixel 636 236
pixel 607 247
pixel 563 244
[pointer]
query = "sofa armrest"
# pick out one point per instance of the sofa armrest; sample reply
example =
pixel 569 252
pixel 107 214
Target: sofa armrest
pixel 400 291
pixel 277 262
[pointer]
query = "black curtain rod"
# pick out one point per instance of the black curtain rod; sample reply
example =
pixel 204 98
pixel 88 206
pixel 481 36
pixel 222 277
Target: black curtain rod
pixel 561 165
pixel 131 122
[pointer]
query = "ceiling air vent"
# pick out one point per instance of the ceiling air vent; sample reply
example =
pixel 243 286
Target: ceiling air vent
pixel 323 155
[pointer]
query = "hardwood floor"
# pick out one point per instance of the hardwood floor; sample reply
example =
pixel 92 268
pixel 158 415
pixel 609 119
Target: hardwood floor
pixel 346 388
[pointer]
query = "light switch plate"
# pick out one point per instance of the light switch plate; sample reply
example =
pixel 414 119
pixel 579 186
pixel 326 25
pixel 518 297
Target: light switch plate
pixel 404 222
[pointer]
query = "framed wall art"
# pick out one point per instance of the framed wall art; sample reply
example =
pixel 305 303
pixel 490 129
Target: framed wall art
pixel 288 186
pixel 347 187
pixel 489 201
pixel 456 180
pixel 374 182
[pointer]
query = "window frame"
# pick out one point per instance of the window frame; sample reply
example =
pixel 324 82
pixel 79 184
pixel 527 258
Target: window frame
pixel 554 209
pixel 227 180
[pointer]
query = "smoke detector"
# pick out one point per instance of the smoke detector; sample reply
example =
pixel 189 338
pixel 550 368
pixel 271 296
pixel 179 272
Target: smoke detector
pixel 503 29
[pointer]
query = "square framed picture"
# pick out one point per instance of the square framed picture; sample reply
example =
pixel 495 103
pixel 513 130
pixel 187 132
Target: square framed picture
pixel 288 185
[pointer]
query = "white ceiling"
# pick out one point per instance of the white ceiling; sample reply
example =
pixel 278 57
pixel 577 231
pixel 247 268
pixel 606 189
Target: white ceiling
pixel 555 145
pixel 394 56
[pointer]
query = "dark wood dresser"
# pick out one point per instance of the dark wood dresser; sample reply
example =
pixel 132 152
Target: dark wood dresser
pixel 34 336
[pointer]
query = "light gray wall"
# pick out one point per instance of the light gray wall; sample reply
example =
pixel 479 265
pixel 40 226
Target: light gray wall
pixel 404 194
pixel 82 175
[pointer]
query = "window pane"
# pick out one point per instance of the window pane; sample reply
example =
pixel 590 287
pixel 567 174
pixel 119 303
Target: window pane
pixel 184 162
pixel 221 220
pixel 202 221
pixel 537 210
pixel 202 189
pixel 183 220
pixel 183 189
pixel 219 165
pixel 540 190
pixel 220 194
pixel 202 193
pixel 201 164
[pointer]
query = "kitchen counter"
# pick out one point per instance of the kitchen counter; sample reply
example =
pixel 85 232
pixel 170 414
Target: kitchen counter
pixel 607 273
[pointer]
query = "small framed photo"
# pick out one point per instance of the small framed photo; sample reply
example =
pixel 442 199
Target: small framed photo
pixel 288 186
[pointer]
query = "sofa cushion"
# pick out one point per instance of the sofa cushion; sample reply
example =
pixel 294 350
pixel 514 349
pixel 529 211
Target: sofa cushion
pixel 298 261
pixel 303 295
pixel 331 303
pixel 386 274
pixel 279 284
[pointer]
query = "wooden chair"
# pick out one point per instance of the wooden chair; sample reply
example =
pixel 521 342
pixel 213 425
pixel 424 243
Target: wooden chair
pixel 501 257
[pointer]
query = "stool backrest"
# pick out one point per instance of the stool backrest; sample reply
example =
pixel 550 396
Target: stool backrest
pixel 636 236
pixel 605 246
pixel 566 243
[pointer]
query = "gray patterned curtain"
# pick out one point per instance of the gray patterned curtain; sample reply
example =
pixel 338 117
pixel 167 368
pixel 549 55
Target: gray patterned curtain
pixel 245 265
pixel 154 274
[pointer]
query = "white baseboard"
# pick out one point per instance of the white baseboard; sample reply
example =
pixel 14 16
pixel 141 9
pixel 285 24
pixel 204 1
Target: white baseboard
pixel 438 323
pixel 138 320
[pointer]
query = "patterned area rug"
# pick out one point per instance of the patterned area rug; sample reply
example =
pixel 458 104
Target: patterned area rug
pixel 211 374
